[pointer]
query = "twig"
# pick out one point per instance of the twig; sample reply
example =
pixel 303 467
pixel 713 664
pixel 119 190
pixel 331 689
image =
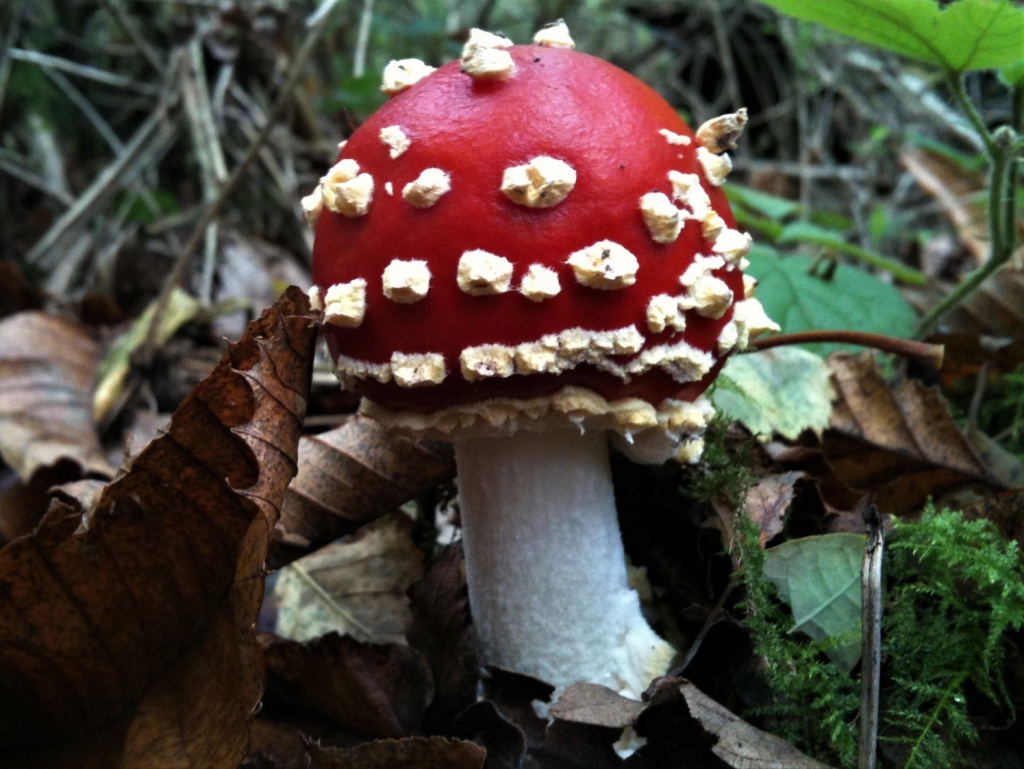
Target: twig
pixel 184 259
pixel 84 70
pixel 208 150
pixel 871 638
pixel 18 171
pixel 363 39
pixel 929 355
pixel 108 180
pixel 91 114
pixel 5 52
pixel 976 398
pixel 131 26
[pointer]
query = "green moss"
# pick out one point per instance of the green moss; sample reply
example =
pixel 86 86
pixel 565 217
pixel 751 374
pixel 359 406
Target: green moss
pixel 955 589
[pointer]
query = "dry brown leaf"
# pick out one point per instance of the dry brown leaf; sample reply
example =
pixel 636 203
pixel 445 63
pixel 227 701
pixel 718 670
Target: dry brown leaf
pixel 1006 511
pixel 739 744
pixel 952 188
pixel 380 691
pixel 410 753
pixel 442 632
pixel 348 477
pixel 46 375
pixel 676 715
pixel 900 443
pixel 126 637
pixel 767 503
pixel 597 705
pixel 356 586
pixel 16 293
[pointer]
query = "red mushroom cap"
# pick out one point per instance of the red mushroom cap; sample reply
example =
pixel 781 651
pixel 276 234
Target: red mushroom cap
pixel 621 139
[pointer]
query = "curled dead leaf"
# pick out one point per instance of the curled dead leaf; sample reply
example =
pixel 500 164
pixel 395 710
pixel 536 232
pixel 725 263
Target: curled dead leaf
pixel 128 642
pixel 348 477
pixel 378 690
pixel 410 753
pixel 900 442
pixel 442 632
pixel 356 586
pixel 47 366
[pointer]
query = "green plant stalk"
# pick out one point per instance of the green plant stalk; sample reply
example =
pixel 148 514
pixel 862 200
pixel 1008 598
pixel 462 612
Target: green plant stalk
pixel 900 271
pixel 1002 238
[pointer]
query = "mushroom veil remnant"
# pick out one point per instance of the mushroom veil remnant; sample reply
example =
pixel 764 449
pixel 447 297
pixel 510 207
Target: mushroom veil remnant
pixel 560 267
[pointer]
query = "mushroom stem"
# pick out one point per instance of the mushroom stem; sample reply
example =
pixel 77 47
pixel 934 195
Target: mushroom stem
pixel 547 578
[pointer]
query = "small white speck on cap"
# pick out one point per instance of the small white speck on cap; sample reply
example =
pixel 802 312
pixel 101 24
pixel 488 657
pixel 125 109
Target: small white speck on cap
pixel 489 64
pixel 394 137
pixel 389 188
pixel 728 337
pixel 351 198
pixel 712 225
pixel 733 245
pixel 539 283
pixel 486 361
pixel 687 189
pixel 720 134
pixel 341 144
pixel 716 167
pixel 418 369
pixel 315 300
pixel 701 267
pixel 711 296
pixel 344 170
pixel 662 218
pixel 679 140
pixel 480 39
pixel 345 304
pixel 406 281
pixel 428 188
pixel 554 35
pixel 541 183
pixel 663 312
pixel 402 74
pixel 604 265
pixel 312 206
pixel 482 273
pixel 751 314
pixel 749 286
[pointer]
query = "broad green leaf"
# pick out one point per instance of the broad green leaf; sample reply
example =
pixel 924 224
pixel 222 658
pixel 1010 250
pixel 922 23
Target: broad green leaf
pixel 785 390
pixel 805 232
pixel 852 299
pixel 819 577
pixel 964 35
pixel 1012 74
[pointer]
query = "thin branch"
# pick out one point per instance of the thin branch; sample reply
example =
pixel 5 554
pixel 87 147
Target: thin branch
pixel 106 182
pixel 131 26
pixel 5 51
pixel 84 70
pixel 871 638
pixel 362 39
pixel 18 171
pixel 185 256
pixel 927 354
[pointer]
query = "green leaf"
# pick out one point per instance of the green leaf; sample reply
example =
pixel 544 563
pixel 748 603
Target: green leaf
pixel 819 577
pixel 769 205
pixel 805 232
pixel 785 390
pixel 965 35
pixel 852 299
pixel 1012 74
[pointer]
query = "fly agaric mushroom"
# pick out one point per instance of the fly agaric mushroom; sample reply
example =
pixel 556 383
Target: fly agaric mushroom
pixel 560 266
